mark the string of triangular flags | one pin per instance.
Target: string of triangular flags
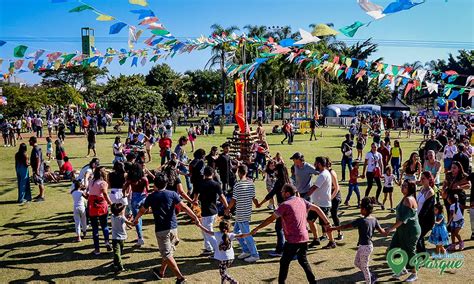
(402, 77)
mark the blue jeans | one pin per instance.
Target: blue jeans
(353, 187)
(396, 166)
(185, 171)
(280, 236)
(247, 243)
(95, 229)
(137, 200)
(346, 161)
(24, 189)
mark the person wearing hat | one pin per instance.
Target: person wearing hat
(37, 166)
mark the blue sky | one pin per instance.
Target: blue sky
(449, 25)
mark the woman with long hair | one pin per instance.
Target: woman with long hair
(457, 182)
(98, 206)
(433, 166)
(282, 178)
(396, 157)
(411, 169)
(116, 180)
(149, 140)
(192, 136)
(425, 201)
(407, 228)
(136, 187)
(174, 182)
(22, 174)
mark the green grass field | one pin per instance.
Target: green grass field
(36, 239)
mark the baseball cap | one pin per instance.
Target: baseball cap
(297, 156)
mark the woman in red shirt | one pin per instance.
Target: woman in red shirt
(98, 206)
(136, 187)
(165, 144)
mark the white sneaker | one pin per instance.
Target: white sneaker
(412, 278)
(252, 259)
(243, 255)
(140, 242)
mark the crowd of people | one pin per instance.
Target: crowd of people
(220, 187)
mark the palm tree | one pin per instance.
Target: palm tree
(219, 53)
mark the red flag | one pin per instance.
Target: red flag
(240, 105)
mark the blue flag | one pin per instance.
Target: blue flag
(134, 61)
(143, 13)
(116, 28)
(2, 42)
(400, 5)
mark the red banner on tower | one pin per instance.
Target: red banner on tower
(240, 105)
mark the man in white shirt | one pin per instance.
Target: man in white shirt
(373, 165)
(320, 194)
(39, 127)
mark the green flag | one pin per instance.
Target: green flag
(20, 50)
(154, 58)
(122, 61)
(352, 29)
(68, 58)
(160, 32)
(81, 8)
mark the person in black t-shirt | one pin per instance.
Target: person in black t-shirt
(225, 169)
(208, 194)
(162, 203)
(91, 142)
(196, 168)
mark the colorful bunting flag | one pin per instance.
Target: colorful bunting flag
(307, 37)
(138, 2)
(81, 8)
(400, 5)
(116, 28)
(471, 93)
(148, 20)
(104, 18)
(143, 13)
(351, 30)
(20, 50)
(160, 32)
(407, 89)
(2, 42)
(323, 30)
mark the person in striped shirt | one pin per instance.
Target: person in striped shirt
(242, 198)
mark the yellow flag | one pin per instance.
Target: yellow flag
(348, 62)
(323, 30)
(105, 18)
(138, 2)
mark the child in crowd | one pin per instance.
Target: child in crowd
(223, 250)
(439, 234)
(456, 222)
(360, 145)
(278, 159)
(366, 226)
(49, 148)
(119, 233)
(270, 181)
(388, 180)
(79, 209)
(353, 184)
(49, 175)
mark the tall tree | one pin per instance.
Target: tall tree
(219, 54)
